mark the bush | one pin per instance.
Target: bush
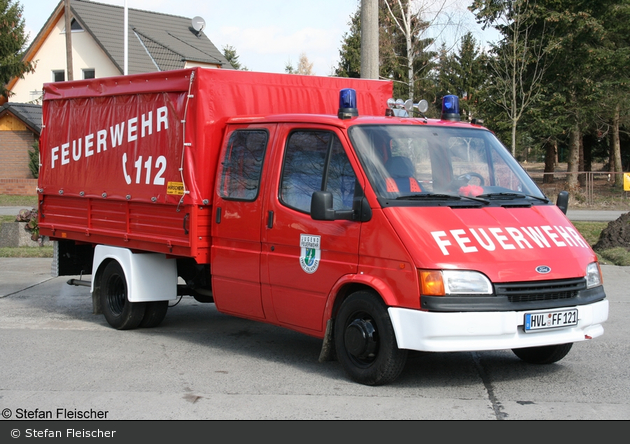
(33, 160)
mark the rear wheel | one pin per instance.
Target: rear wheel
(547, 354)
(154, 314)
(119, 312)
(365, 341)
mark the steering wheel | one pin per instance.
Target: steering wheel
(466, 178)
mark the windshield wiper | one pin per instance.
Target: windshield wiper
(439, 196)
(510, 196)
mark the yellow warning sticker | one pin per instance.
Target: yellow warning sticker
(626, 181)
(175, 188)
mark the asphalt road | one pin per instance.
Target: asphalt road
(200, 364)
(594, 215)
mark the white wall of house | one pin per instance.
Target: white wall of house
(191, 64)
(86, 54)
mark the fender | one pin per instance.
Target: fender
(150, 276)
(382, 289)
(372, 282)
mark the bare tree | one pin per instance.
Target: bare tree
(616, 147)
(414, 18)
(519, 62)
(304, 67)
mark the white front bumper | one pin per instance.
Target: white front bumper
(469, 331)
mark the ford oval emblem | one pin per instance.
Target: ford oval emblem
(543, 269)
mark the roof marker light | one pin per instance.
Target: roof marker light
(347, 104)
(450, 108)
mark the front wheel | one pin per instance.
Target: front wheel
(119, 312)
(365, 341)
(547, 354)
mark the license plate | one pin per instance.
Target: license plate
(550, 319)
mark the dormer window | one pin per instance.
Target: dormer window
(75, 26)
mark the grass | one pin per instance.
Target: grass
(590, 230)
(8, 200)
(614, 256)
(26, 252)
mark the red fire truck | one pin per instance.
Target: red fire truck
(316, 204)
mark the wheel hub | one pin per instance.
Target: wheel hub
(360, 338)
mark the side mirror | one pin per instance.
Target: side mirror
(563, 201)
(322, 208)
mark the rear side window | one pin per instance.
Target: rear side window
(242, 165)
(316, 161)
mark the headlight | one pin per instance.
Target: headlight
(593, 275)
(453, 282)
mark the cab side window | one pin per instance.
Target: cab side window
(315, 161)
(242, 165)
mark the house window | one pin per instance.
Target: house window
(89, 73)
(75, 26)
(58, 75)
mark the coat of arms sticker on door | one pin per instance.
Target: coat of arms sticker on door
(311, 253)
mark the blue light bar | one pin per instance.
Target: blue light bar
(347, 104)
(450, 108)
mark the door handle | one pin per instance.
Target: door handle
(186, 223)
(270, 219)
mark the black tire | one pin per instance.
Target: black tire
(119, 312)
(365, 342)
(154, 314)
(547, 354)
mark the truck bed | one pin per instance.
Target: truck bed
(183, 231)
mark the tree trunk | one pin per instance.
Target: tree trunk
(574, 159)
(550, 161)
(409, 42)
(616, 149)
(514, 123)
(581, 164)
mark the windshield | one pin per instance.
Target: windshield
(433, 164)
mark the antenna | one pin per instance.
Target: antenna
(198, 24)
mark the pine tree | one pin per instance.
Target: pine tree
(350, 52)
(469, 74)
(229, 52)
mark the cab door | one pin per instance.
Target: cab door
(236, 229)
(304, 258)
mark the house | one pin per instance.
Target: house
(20, 126)
(156, 42)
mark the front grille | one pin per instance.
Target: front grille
(541, 291)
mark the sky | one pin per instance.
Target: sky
(267, 34)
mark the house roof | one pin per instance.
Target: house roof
(30, 114)
(157, 42)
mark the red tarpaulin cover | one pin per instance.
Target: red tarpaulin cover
(123, 137)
